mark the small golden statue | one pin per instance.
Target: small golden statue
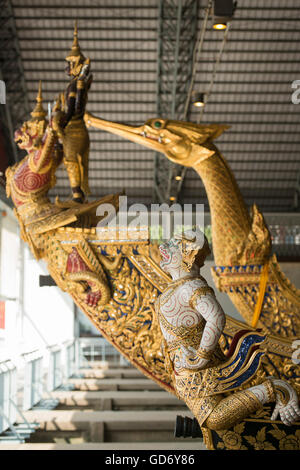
(69, 122)
(192, 321)
(29, 180)
(27, 183)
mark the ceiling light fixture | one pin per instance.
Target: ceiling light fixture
(223, 13)
(198, 99)
(218, 25)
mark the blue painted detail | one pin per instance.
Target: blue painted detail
(239, 268)
(246, 344)
(248, 373)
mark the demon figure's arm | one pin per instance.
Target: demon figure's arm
(71, 100)
(76, 94)
(83, 85)
(210, 309)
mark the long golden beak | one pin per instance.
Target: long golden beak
(134, 134)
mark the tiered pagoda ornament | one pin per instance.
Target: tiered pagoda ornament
(69, 123)
(224, 370)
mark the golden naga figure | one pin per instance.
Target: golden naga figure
(244, 269)
(69, 123)
(192, 321)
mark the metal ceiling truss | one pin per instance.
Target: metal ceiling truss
(6, 129)
(11, 70)
(296, 199)
(177, 37)
(175, 83)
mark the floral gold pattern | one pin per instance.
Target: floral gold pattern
(257, 432)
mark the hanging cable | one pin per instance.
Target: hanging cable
(196, 56)
(197, 52)
(213, 76)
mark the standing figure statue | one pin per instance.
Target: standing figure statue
(211, 384)
(69, 123)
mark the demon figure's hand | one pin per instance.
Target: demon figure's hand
(287, 403)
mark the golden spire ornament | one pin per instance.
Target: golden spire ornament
(75, 54)
(38, 112)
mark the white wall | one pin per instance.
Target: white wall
(39, 316)
(9, 279)
(48, 312)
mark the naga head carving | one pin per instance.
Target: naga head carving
(175, 139)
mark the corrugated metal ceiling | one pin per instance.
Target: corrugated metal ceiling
(251, 93)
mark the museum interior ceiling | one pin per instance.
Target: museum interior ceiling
(148, 59)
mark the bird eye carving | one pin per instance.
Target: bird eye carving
(158, 124)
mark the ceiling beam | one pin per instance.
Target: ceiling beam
(17, 105)
(175, 68)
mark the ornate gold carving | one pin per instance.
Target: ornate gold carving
(232, 409)
(191, 387)
(255, 433)
(60, 218)
(68, 120)
(286, 441)
(75, 56)
(239, 240)
(261, 294)
(280, 312)
(256, 248)
(231, 440)
(260, 442)
(120, 268)
(270, 390)
(151, 270)
(204, 353)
